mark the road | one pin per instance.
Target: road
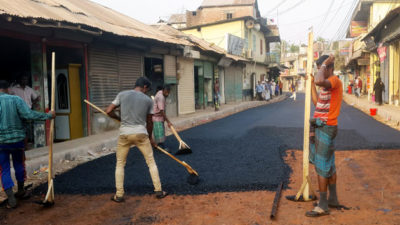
(242, 152)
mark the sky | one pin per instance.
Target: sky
(294, 17)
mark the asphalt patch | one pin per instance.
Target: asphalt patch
(242, 152)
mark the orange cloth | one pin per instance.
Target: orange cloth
(336, 100)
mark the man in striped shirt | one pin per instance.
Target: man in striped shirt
(13, 110)
(323, 132)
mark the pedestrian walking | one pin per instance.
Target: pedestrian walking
(323, 131)
(259, 91)
(159, 116)
(136, 112)
(267, 93)
(280, 87)
(359, 86)
(13, 110)
(293, 87)
(277, 89)
(217, 95)
(273, 84)
(379, 88)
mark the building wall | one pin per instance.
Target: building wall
(259, 54)
(217, 33)
(210, 15)
(378, 11)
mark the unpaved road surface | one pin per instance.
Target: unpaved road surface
(241, 159)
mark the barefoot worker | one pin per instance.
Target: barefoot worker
(323, 132)
(136, 125)
(160, 116)
(13, 110)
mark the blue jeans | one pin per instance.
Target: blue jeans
(16, 150)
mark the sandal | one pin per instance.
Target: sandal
(317, 212)
(161, 194)
(117, 199)
(337, 207)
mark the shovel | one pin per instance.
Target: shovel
(193, 179)
(183, 147)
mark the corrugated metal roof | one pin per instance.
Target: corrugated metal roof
(196, 41)
(210, 3)
(83, 12)
(177, 18)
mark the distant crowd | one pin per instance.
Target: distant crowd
(266, 90)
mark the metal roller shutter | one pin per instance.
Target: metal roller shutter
(130, 68)
(103, 73)
(238, 83)
(229, 84)
(170, 69)
(233, 84)
(186, 101)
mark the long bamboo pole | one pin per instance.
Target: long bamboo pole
(50, 192)
(305, 187)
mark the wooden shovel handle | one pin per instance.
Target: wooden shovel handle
(98, 109)
(189, 168)
(175, 133)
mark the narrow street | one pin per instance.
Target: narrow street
(246, 152)
(85, 81)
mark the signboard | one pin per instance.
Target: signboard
(345, 51)
(382, 53)
(363, 62)
(235, 45)
(357, 28)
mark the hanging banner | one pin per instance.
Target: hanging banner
(316, 55)
(382, 53)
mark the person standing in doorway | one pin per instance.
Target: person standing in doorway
(25, 92)
(324, 130)
(160, 116)
(379, 88)
(217, 95)
(30, 97)
(13, 110)
(136, 129)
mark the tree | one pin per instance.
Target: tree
(294, 48)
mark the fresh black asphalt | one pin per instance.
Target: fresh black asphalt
(241, 152)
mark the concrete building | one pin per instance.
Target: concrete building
(99, 52)
(237, 27)
(384, 40)
(363, 61)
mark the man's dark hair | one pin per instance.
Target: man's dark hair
(143, 81)
(167, 87)
(4, 84)
(322, 59)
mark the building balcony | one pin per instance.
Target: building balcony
(272, 57)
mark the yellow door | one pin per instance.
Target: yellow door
(75, 117)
